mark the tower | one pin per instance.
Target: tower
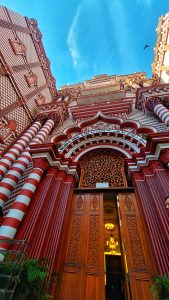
(85, 183)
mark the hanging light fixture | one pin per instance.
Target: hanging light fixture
(109, 226)
(112, 244)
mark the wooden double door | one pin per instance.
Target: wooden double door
(84, 266)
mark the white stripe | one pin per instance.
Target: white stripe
(165, 115)
(7, 231)
(3, 168)
(18, 146)
(2, 203)
(155, 110)
(29, 186)
(25, 139)
(15, 173)
(29, 135)
(15, 213)
(35, 140)
(21, 142)
(6, 161)
(159, 109)
(12, 155)
(9, 181)
(19, 166)
(24, 159)
(23, 199)
(35, 176)
(167, 120)
(5, 191)
(162, 112)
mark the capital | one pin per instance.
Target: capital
(54, 116)
(41, 163)
(42, 118)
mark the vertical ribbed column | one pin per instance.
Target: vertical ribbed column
(47, 214)
(31, 225)
(45, 224)
(14, 174)
(53, 248)
(15, 151)
(162, 112)
(18, 209)
(157, 238)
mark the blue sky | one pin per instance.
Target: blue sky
(83, 38)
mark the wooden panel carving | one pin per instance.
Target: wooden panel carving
(94, 240)
(74, 242)
(128, 203)
(79, 203)
(102, 166)
(94, 204)
(136, 251)
(83, 275)
(135, 244)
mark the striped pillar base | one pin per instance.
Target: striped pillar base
(162, 112)
(18, 209)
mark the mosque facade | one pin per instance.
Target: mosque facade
(84, 170)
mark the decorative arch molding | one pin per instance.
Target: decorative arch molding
(124, 124)
(125, 139)
(156, 149)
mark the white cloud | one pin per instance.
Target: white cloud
(72, 38)
(147, 3)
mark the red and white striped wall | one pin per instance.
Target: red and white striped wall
(18, 209)
(15, 151)
(10, 180)
(162, 112)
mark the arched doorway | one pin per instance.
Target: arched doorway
(105, 245)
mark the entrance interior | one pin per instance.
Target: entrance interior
(114, 269)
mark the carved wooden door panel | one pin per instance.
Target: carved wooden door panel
(83, 275)
(138, 260)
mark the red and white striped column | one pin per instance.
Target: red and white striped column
(162, 112)
(18, 209)
(15, 151)
(10, 180)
